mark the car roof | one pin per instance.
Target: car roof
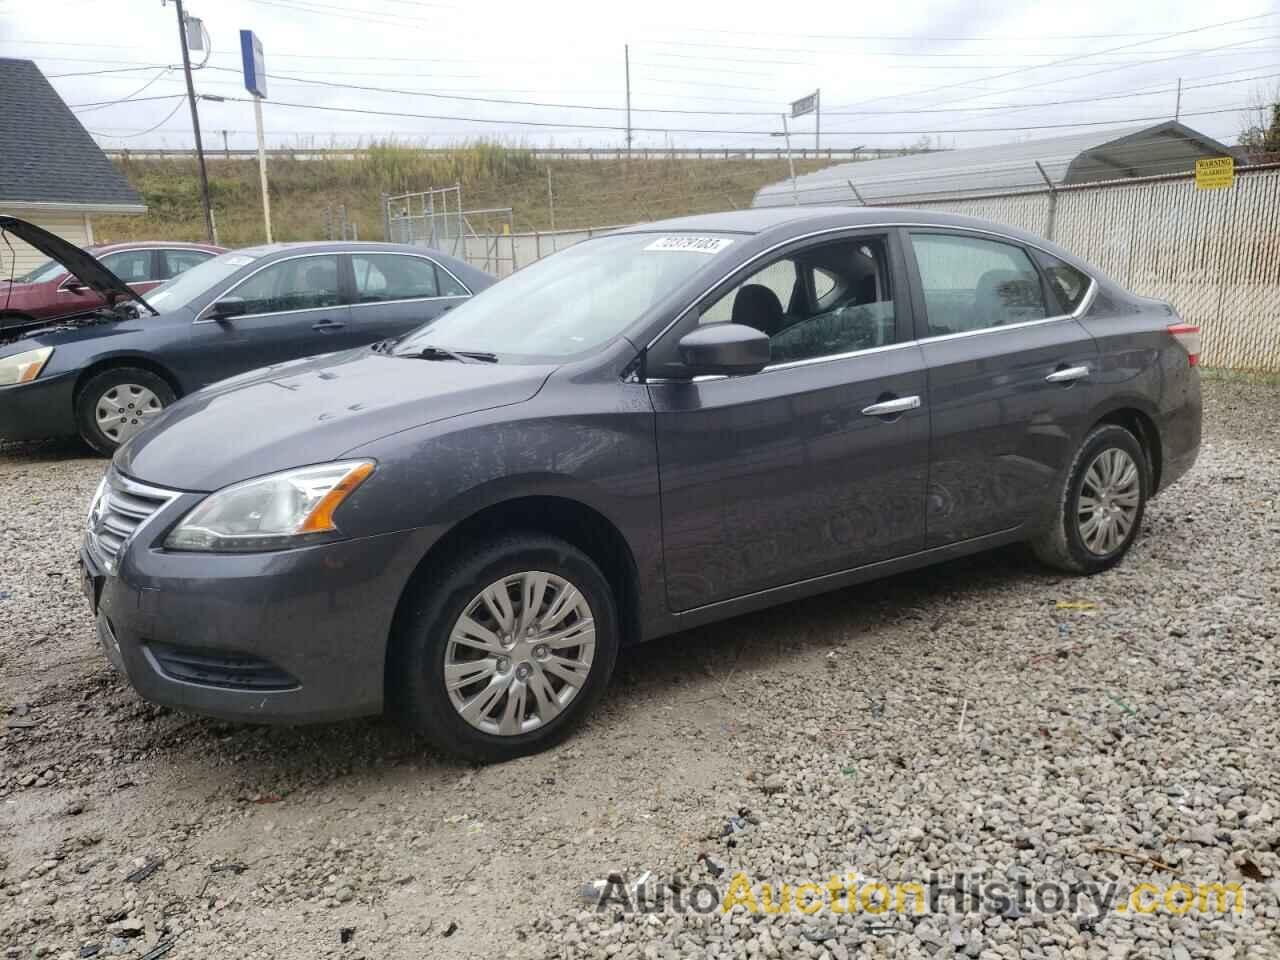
(801, 218)
(97, 248)
(342, 246)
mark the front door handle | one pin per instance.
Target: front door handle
(1068, 375)
(887, 408)
(324, 325)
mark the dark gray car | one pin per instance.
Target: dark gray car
(105, 374)
(665, 426)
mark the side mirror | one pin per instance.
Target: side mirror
(229, 307)
(725, 349)
(73, 284)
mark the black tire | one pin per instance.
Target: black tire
(416, 668)
(98, 386)
(1062, 546)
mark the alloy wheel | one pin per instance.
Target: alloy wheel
(1109, 499)
(519, 653)
(125, 409)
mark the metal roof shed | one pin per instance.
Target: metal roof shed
(1112, 154)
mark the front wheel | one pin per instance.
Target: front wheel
(116, 403)
(502, 652)
(1100, 507)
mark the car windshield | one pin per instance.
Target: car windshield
(197, 281)
(46, 271)
(571, 302)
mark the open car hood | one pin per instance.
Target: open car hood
(84, 265)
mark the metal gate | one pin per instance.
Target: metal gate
(431, 218)
(435, 218)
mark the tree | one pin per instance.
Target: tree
(1261, 133)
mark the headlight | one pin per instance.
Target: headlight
(22, 367)
(282, 510)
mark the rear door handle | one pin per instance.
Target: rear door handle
(887, 408)
(1068, 375)
(324, 325)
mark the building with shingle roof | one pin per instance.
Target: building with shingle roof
(51, 171)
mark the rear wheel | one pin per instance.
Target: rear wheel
(1101, 505)
(501, 653)
(116, 403)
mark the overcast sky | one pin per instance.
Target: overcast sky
(898, 71)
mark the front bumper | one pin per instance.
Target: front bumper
(294, 636)
(40, 409)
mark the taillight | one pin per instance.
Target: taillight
(1188, 335)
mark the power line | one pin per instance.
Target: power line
(101, 104)
(917, 38)
(665, 110)
(140, 133)
(1127, 46)
(132, 97)
(615, 128)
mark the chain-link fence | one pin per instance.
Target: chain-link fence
(1213, 254)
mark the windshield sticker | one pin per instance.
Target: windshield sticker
(707, 245)
(239, 260)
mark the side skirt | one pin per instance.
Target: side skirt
(723, 609)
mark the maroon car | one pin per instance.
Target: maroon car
(49, 292)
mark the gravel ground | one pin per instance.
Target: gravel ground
(983, 717)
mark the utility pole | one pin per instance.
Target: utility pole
(1177, 107)
(195, 120)
(226, 150)
(817, 121)
(551, 201)
(795, 192)
(626, 59)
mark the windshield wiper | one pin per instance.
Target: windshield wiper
(430, 352)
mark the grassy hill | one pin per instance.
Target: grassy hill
(587, 192)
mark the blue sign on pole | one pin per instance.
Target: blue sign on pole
(255, 69)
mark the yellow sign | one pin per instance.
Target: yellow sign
(1215, 173)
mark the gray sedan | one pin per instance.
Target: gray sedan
(662, 427)
(107, 373)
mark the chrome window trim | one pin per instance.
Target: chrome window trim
(790, 364)
(201, 318)
(420, 256)
(383, 303)
(1083, 308)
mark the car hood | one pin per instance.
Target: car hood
(83, 264)
(312, 411)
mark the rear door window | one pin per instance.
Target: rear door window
(180, 261)
(381, 277)
(971, 283)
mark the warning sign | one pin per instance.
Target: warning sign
(1215, 173)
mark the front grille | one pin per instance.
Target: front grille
(232, 671)
(125, 505)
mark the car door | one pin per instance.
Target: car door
(294, 307)
(817, 463)
(1006, 369)
(394, 293)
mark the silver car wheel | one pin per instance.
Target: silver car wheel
(519, 653)
(125, 409)
(1109, 499)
